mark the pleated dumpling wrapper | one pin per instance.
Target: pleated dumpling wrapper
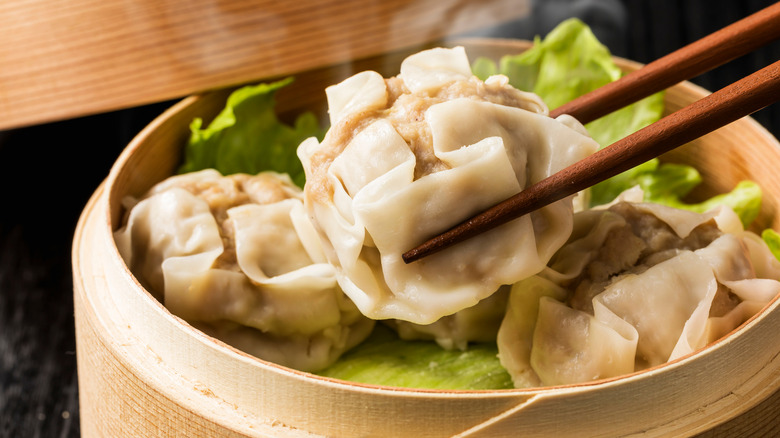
(637, 285)
(408, 157)
(237, 257)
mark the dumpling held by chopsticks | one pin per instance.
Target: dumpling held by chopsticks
(409, 157)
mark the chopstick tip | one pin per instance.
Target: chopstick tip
(413, 255)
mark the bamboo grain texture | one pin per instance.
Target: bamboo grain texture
(67, 58)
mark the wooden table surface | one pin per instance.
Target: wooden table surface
(49, 171)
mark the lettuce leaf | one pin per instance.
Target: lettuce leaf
(772, 239)
(247, 136)
(670, 183)
(744, 199)
(384, 359)
(569, 62)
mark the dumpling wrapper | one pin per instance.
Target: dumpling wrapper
(570, 346)
(475, 324)
(398, 167)
(238, 258)
(516, 334)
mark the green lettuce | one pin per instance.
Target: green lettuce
(569, 62)
(247, 136)
(670, 183)
(744, 199)
(385, 359)
(772, 239)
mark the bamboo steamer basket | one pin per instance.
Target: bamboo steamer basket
(145, 372)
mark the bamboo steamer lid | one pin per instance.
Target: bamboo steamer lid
(145, 372)
(93, 56)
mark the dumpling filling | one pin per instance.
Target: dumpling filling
(637, 285)
(408, 157)
(237, 257)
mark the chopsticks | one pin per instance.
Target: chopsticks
(718, 109)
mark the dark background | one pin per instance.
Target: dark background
(48, 172)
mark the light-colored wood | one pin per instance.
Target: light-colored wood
(144, 372)
(66, 58)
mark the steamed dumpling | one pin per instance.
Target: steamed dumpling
(410, 156)
(237, 257)
(637, 285)
(478, 323)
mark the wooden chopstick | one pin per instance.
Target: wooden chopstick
(718, 109)
(717, 48)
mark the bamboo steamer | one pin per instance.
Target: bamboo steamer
(145, 372)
